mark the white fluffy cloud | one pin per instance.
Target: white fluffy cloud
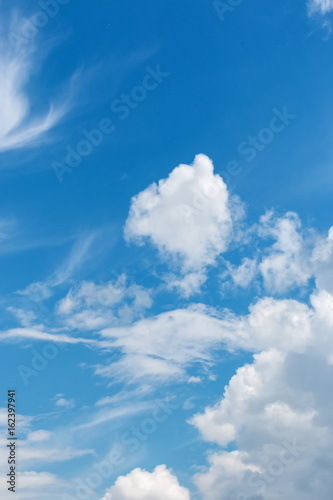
(276, 411)
(139, 484)
(191, 219)
(285, 266)
(288, 256)
(280, 422)
(188, 216)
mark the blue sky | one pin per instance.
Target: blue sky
(165, 248)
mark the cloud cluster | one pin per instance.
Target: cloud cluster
(275, 411)
(189, 217)
(285, 264)
(272, 427)
(288, 256)
(192, 220)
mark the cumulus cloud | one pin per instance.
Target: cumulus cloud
(22, 123)
(273, 422)
(192, 220)
(281, 426)
(241, 276)
(189, 217)
(285, 266)
(275, 411)
(139, 484)
(286, 256)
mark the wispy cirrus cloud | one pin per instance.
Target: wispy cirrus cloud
(320, 6)
(23, 123)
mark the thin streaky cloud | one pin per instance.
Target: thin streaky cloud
(20, 125)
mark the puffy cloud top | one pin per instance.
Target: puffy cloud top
(189, 215)
(139, 484)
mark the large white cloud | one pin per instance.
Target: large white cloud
(139, 484)
(276, 411)
(188, 216)
(281, 425)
